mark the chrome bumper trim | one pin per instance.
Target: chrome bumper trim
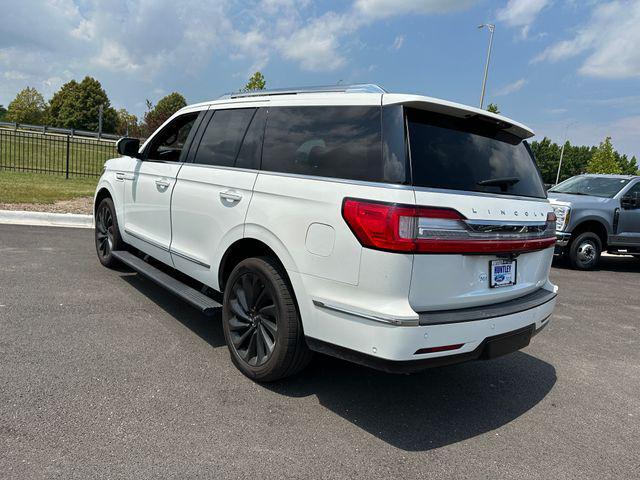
(388, 321)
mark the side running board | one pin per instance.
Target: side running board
(205, 304)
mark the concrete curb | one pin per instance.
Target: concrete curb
(20, 217)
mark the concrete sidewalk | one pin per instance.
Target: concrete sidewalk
(21, 217)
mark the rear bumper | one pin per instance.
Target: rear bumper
(517, 305)
(401, 348)
(491, 347)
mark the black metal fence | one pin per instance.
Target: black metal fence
(53, 153)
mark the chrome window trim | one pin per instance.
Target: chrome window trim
(303, 177)
(339, 180)
(221, 167)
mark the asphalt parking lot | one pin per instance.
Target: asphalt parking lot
(105, 375)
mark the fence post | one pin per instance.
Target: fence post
(67, 169)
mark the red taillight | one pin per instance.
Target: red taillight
(387, 226)
(412, 229)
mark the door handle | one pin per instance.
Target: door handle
(162, 183)
(231, 196)
(123, 176)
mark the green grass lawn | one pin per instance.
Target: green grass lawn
(19, 187)
(35, 151)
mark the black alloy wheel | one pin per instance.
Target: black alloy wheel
(107, 235)
(104, 230)
(253, 325)
(261, 322)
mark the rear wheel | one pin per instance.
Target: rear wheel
(261, 322)
(585, 250)
(107, 235)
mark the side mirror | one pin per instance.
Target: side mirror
(630, 201)
(128, 147)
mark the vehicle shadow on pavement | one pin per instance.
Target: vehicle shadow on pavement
(209, 329)
(430, 409)
(620, 264)
(415, 412)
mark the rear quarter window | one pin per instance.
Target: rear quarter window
(467, 153)
(340, 142)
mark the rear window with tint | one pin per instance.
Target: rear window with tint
(341, 142)
(470, 154)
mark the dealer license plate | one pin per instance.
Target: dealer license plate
(502, 273)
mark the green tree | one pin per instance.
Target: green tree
(127, 124)
(77, 105)
(256, 82)
(628, 166)
(604, 159)
(493, 108)
(27, 107)
(158, 114)
(3, 112)
(547, 155)
(62, 106)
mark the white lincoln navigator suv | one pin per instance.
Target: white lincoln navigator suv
(395, 231)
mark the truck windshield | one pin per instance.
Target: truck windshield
(605, 187)
(471, 154)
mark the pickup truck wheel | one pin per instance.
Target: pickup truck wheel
(585, 250)
(107, 234)
(261, 323)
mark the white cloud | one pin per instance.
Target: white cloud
(610, 38)
(389, 8)
(521, 13)
(316, 45)
(15, 75)
(47, 42)
(510, 88)
(398, 42)
(114, 56)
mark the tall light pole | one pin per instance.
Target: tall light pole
(566, 130)
(491, 28)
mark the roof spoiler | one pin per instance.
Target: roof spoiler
(458, 110)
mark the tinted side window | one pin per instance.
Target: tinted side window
(341, 142)
(222, 137)
(167, 145)
(251, 149)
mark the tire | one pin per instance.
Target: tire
(261, 323)
(107, 234)
(584, 251)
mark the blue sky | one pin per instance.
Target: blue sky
(557, 65)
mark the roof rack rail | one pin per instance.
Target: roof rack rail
(355, 88)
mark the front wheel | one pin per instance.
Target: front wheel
(107, 235)
(585, 250)
(261, 323)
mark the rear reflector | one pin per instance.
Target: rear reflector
(443, 348)
(413, 229)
